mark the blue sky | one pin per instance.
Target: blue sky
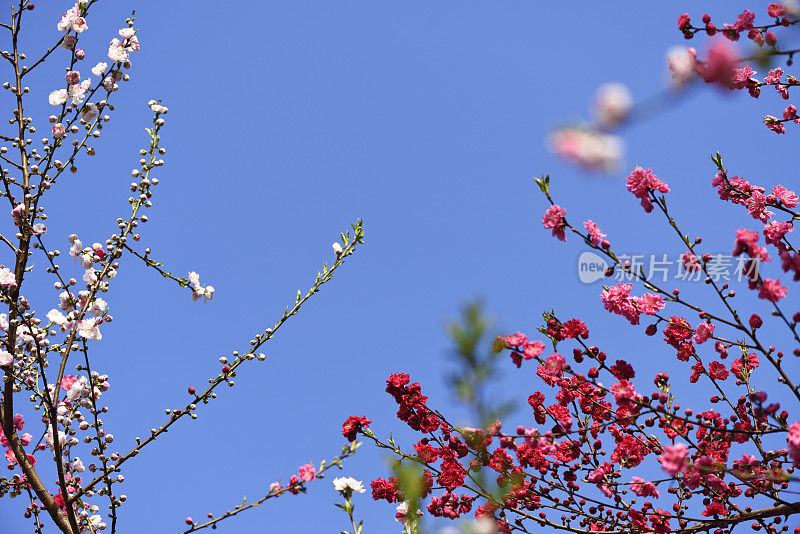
(289, 120)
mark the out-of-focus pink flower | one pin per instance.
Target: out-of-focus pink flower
(612, 104)
(673, 459)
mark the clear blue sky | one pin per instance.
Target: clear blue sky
(289, 120)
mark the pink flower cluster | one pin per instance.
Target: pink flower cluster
(642, 182)
(618, 300)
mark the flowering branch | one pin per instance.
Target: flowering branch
(31, 342)
(296, 485)
(229, 368)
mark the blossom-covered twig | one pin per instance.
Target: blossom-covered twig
(294, 486)
(229, 367)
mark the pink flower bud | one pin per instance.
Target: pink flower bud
(770, 38)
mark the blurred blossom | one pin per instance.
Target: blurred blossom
(402, 512)
(682, 63)
(612, 104)
(484, 525)
(792, 6)
(588, 147)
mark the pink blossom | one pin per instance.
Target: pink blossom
(719, 66)
(774, 232)
(787, 197)
(690, 262)
(776, 10)
(532, 350)
(682, 63)
(624, 393)
(617, 300)
(793, 439)
(756, 36)
(771, 290)
(644, 488)
(515, 340)
(717, 370)
(650, 303)
(774, 124)
(756, 206)
(673, 459)
(68, 381)
(745, 20)
(595, 234)
(6, 358)
(746, 241)
(791, 262)
(554, 218)
(740, 76)
(770, 38)
(773, 76)
(735, 188)
(744, 366)
(703, 332)
(307, 472)
(554, 364)
(641, 182)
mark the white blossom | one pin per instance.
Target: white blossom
(100, 68)
(342, 483)
(88, 328)
(58, 97)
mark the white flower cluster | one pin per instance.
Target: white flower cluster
(72, 19)
(200, 291)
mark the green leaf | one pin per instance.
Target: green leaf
(499, 345)
(543, 183)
